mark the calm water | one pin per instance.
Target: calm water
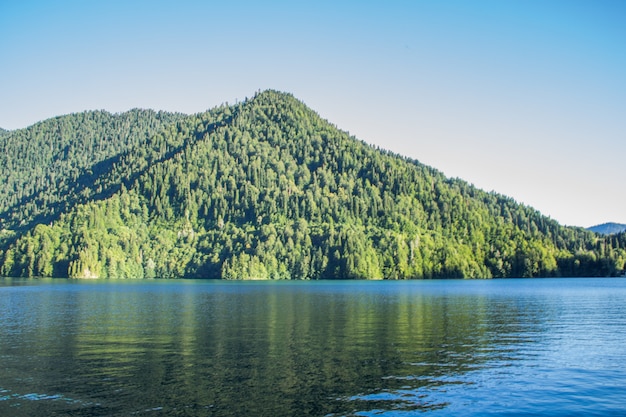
(421, 348)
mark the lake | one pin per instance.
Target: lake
(351, 348)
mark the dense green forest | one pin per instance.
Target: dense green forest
(264, 189)
(58, 163)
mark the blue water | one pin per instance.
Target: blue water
(209, 348)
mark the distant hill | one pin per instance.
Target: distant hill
(264, 189)
(608, 228)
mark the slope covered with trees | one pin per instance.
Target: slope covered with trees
(60, 162)
(266, 189)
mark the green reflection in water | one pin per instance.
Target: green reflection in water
(225, 349)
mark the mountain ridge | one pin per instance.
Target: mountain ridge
(81, 146)
(267, 189)
(608, 228)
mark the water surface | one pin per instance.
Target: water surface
(213, 348)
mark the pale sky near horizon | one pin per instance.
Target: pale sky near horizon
(523, 97)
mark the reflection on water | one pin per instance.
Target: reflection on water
(196, 348)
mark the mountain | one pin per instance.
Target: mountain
(608, 228)
(61, 162)
(264, 189)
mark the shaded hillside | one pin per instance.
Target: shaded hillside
(608, 228)
(59, 162)
(266, 189)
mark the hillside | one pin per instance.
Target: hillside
(608, 228)
(266, 189)
(60, 162)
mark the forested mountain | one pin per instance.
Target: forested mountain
(608, 228)
(60, 162)
(264, 189)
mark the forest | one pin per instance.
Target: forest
(262, 189)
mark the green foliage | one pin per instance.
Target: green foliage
(55, 164)
(264, 189)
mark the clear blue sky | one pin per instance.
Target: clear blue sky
(526, 97)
